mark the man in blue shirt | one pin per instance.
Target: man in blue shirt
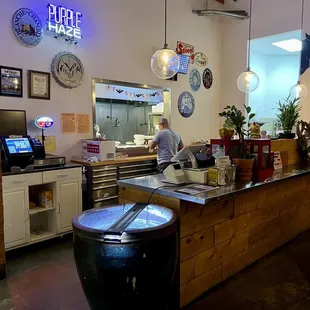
(168, 143)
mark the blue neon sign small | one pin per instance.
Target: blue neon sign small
(64, 21)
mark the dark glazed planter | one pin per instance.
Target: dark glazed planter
(287, 135)
(138, 271)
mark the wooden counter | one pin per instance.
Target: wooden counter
(220, 238)
(117, 161)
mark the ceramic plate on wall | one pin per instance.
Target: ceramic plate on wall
(207, 78)
(186, 104)
(27, 27)
(195, 79)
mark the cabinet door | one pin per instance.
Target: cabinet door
(69, 203)
(16, 216)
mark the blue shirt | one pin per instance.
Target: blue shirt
(168, 142)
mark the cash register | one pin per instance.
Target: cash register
(19, 151)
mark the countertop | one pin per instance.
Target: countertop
(132, 159)
(67, 166)
(151, 183)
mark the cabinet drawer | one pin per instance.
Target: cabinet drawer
(105, 179)
(19, 180)
(106, 202)
(106, 192)
(62, 174)
(104, 185)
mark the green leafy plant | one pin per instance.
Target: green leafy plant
(288, 113)
(239, 123)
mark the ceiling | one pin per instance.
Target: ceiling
(264, 45)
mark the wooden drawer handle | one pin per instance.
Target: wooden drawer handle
(202, 237)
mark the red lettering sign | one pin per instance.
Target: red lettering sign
(186, 49)
(93, 148)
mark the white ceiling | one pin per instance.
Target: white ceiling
(264, 45)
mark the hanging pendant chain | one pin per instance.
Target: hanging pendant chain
(166, 44)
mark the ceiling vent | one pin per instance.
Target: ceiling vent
(234, 14)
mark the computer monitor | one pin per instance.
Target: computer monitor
(184, 155)
(17, 146)
(13, 122)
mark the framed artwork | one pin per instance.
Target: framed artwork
(11, 82)
(39, 85)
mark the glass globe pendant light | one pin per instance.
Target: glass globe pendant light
(165, 62)
(248, 81)
(300, 91)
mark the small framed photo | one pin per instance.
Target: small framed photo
(39, 85)
(11, 82)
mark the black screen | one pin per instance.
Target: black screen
(13, 122)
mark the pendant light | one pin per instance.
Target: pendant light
(248, 81)
(300, 91)
(165, 62)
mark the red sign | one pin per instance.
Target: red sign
(186, 49)
(93, 148)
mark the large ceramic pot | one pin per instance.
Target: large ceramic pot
(127, 257)
(244, 169)
(226, 133)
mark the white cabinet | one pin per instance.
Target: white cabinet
(16, 216)
(23, 226)
(69, 194)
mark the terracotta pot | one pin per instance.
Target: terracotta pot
(244, 169)
(226, 133)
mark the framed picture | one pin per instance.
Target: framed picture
(11, 82)
(39, 85)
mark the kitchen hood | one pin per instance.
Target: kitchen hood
(234, 14)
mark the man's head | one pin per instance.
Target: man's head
(163, 124)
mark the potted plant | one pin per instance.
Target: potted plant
(288, 115)
(240, 124)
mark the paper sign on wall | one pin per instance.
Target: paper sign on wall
(49, 143)
(83, 123)
(68, 123)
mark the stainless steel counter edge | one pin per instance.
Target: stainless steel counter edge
(154, 183)
(67, 166)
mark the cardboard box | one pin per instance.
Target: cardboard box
(103, 150)
(46, 198)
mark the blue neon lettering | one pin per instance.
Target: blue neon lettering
(64, 21)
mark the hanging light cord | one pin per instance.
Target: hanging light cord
(302, 31)
(166, 44)
(250, 32)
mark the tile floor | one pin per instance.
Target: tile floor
(44, 277)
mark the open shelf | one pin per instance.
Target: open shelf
(40, 235)
(39, 210)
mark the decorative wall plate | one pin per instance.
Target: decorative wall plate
(67, 69)
(207, 78)
(27, 27)
(201, 59)
(195, 79)
(186, 104)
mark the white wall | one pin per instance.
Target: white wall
(119, 39)
(277, 75)
(269, 17)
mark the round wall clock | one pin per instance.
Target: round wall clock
(207, 78)
(67, 69)
(27, 27)
(195, 79)
(186, 104)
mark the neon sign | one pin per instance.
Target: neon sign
(64, 21)
(43, 122)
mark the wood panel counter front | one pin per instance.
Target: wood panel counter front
(232, 229)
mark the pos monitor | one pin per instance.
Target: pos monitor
(18, 152)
